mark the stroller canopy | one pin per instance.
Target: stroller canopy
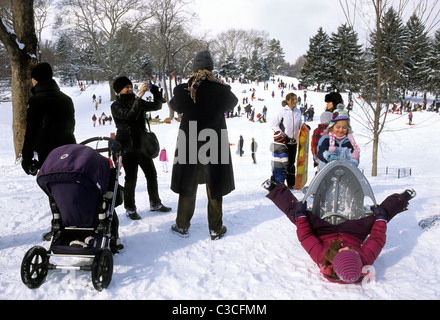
(75, 176)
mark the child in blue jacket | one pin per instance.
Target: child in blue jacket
(339, 143)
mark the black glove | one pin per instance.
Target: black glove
(154, 90)
(290, 140)
(30, 166)
(300, 209)
(380, 213)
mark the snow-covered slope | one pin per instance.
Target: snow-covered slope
(260, 257)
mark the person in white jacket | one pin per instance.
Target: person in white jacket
(288, 120)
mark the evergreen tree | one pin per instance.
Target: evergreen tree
(416, 71)
(230, 68)
(66, 69)
(393, 53)
(433, 63)
(88, 63)
(243, 66)
(275, 56)
(258, 69)
(346, 58)
(318, 67)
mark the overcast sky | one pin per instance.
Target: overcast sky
(292, 22)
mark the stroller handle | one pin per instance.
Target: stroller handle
(113, 144)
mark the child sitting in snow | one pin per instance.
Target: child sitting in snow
(280, 156)
(339, 143)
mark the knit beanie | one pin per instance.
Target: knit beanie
(279, 137)
(326, 117)
(348, 266)
(42, 72)
(203, 61)
(120, 83)
(337, 116)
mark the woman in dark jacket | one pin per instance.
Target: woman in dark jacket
(202, 153)
(129, 113)
(50, 120)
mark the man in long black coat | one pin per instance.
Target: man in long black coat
(50, 121)
(202, 153)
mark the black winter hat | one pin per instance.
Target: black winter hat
(334, 97)
(120, 84)
(42, 71)
(203, 61)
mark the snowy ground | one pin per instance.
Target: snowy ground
(260, 257)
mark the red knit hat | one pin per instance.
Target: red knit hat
(279, 137)
(348, 266)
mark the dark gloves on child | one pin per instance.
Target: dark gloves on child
(380, 213)
(300, 209)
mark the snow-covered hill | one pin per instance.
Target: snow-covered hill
(260, 257)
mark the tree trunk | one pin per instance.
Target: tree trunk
(21, 46)
(20, 88)
(378, 92)
(112, 92)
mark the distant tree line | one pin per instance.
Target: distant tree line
(409, 58)
(99, 40)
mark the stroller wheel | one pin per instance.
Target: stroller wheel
(102, 269)
(34, 267)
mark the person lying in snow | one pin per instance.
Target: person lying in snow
(340, 251)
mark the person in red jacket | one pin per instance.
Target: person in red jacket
(325, 119)
(340, 251)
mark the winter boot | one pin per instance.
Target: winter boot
(47, 236)
(133, 215)
(116, 245)
(409, 194)
(219, 234)
(270, 184)
(160, 208)
(182, 232)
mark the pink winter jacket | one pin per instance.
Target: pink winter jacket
(163, 155)
(317, 246)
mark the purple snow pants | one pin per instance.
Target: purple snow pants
(283, 198)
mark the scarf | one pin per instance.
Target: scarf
(196, 80)
(332, 148)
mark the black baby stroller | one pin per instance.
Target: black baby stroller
(339, 192)
(83, 191)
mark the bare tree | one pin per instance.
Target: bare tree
(41, 13)
(170, 20)
(375, 104)
(20, 42)
(98, 22)
(230, 43)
